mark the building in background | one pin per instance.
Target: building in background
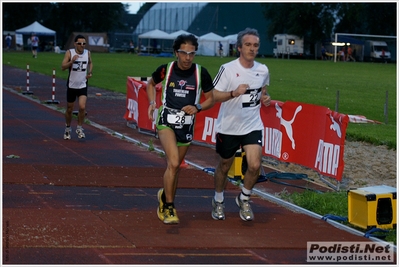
(201, 18)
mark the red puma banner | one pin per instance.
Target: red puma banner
(137, 103)
(305, 134)
(308, 135)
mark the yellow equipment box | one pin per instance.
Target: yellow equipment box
(239, 166)
(373, 206)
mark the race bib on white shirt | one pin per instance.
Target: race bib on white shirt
(251, 98)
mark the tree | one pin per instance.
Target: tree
(308, 19)
(319, 21)
(312, 21)
(144, 8)
(65, 17)
(17, 15)
(99, 17)
(367, 18)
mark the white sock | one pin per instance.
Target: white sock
(245, 194)
(219, 197)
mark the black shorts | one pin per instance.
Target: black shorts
(227, 145)
(72, 94)
(184, 137)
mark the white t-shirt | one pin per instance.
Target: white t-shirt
(240, 115)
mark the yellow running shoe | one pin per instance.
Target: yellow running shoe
(170, 215)
(160, 209)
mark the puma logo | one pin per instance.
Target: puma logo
(287, 124)
(136, 88)
(335, 126)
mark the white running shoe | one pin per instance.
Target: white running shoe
(80, 132)
(217, 210)
(246, 213)
(67, 133)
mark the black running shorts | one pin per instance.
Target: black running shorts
(227, 145)
(72, 94)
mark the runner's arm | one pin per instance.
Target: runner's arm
(66, 62)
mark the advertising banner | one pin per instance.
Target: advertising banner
(137, 103)
(305, 134)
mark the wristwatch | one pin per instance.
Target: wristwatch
(199, 107)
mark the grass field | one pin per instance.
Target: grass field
(362, 87)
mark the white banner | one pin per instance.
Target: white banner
(96, 40)
(19, 39)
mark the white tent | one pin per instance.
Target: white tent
(173, 35)
(208, 44)
(153, 35)
(232, 39)
(38, 29)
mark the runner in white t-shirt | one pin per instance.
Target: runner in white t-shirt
(241, 86)
(34, 44)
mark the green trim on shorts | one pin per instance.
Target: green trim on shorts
(183, 144)
(161, 127)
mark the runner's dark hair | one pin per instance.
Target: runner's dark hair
(185, 39)
(79, 36)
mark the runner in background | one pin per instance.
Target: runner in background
(34, 42)
(78, 61)
(8, 41)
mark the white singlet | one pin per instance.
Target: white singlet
(78, 70)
